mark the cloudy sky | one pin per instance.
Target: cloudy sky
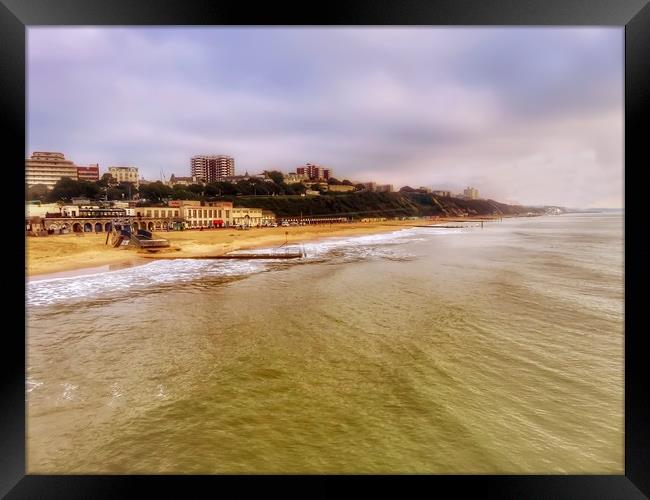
(529, 115)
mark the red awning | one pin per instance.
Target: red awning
(217, 221)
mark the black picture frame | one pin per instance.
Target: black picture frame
(634, 15)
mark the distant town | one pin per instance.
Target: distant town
(65, 197)
(46, 169)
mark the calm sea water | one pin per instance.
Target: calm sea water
(494, 350)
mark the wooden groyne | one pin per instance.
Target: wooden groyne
(444, 227)
(240, 256)
(297, 255)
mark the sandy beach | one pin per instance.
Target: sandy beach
(71, 252)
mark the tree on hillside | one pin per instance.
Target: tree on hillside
(334, 181)
(197, 189)
(226, 188)
(275, 176)
(244, 188)
(212, 189)
(347, 182)
(106, 181)
(37, 192)
(155, 191)
(360, 187)
(65, 189)
(298, 188)
(180, 192)
(129, 189)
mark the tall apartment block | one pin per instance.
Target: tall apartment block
(89, 173)
(314, 171)
(48, 168)
(471, 193)
(212, 168)
(125, 174)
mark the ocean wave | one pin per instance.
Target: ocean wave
(70, 289)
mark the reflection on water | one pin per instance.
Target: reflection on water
(495, 350)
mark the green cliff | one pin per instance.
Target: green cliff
(358, 205)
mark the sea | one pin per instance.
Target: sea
(473, 350)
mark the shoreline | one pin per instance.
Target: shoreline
(69, 255)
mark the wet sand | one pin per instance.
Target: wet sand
(69, 254)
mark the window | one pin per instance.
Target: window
(220, 214)
(175, 213)
(227, 214)
(148, 213)
(155, 213)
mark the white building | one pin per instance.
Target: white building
(125, 174)
(47, 168)
(293, 178)
(470, 193)
(212, 168)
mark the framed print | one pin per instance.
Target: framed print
(382, 247)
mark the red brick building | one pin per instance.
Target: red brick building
(89, 173)
(314, 171)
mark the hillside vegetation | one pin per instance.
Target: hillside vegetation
(359, 205)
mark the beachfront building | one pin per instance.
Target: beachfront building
(178, 214)
(384, 188)
(47, 168)
(313, 220)
(74, 209)
(38, 209)
(152, 218)
(251, 217)
(82, 219)
(444, 194)
(125, 174)
(89, 173)
(35, 213)
(213, 214)
(212, 168)
(370, 186)
(470, 193)
(314, 172)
